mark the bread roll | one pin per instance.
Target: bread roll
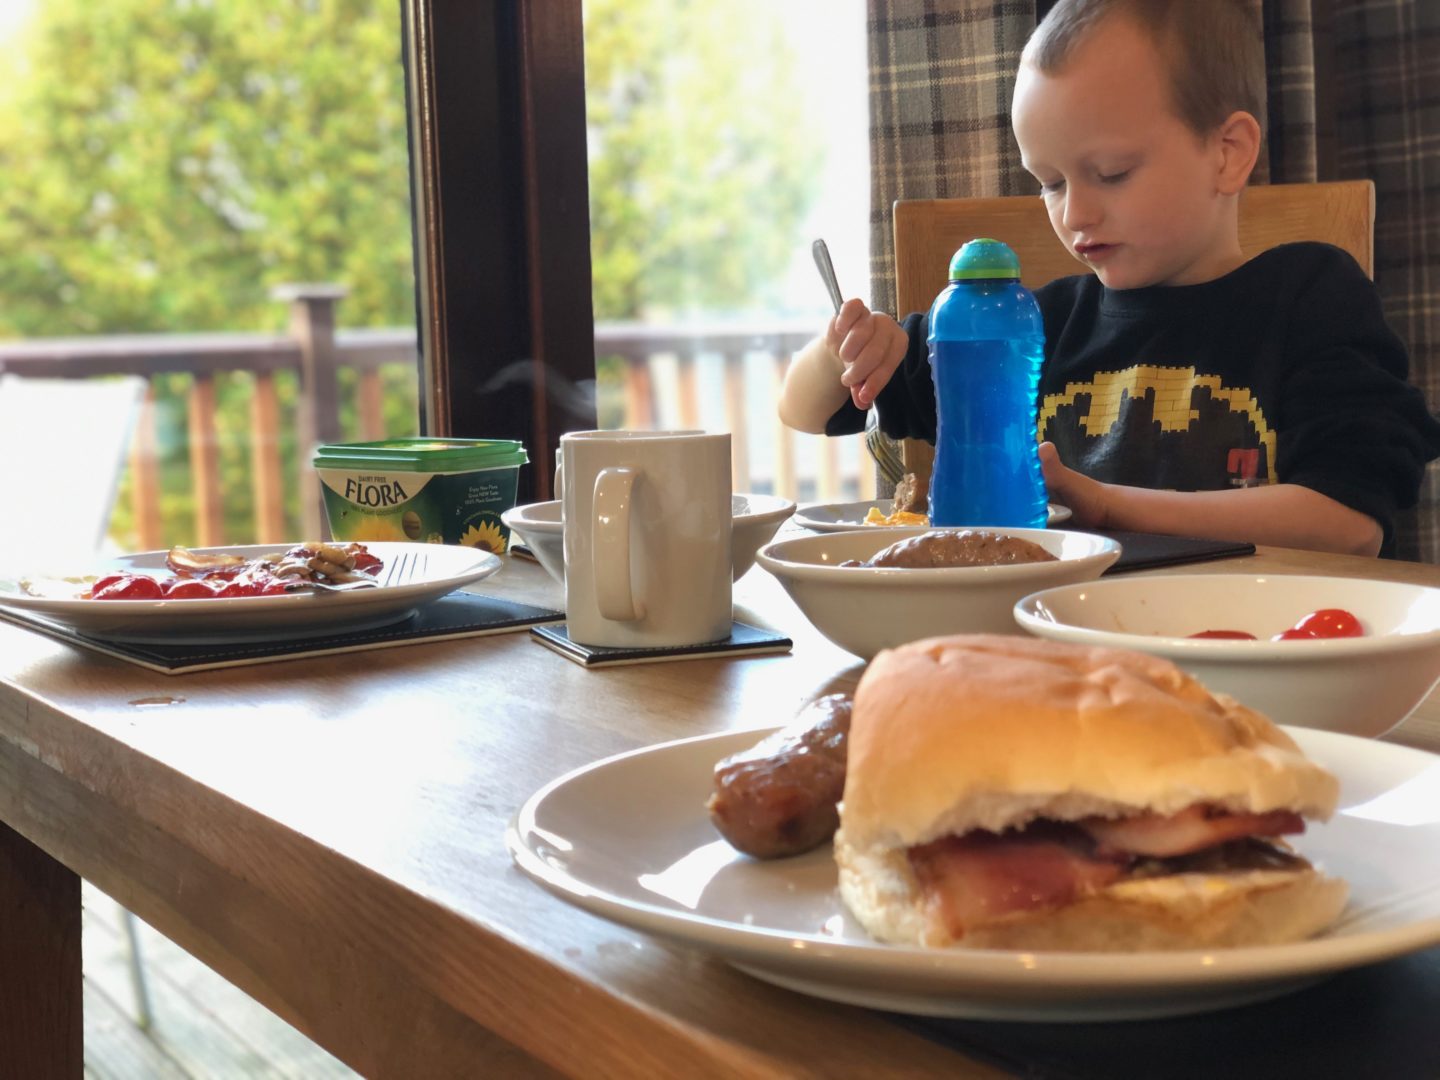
(980, 732)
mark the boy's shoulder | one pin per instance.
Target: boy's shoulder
(1307, 258)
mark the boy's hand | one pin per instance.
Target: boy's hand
(1087, 499)
(870, 344)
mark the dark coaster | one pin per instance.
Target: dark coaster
(1145, 551)
(458, 615)
(744, 640)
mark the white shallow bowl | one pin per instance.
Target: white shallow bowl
(1362, 686)
(756, 518)
(864, 609)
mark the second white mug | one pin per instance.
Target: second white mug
(647, 537)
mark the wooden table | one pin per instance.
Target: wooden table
(328, 834)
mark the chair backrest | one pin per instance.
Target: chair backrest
(63, 446)
(929, 231)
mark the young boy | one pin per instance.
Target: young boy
(1186, 388)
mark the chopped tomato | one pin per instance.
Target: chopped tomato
(1226, 635)
(1294, 634)
(365, 563)
(187, 589)
(127, 587)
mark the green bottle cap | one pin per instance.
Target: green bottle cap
(984, 258)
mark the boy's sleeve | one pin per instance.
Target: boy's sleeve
(907, 403)
(1352, 427)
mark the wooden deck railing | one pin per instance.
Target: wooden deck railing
(668, 373)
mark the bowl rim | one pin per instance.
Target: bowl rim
(517, 518)
(522, 514)
(1107, 550)
(1325, 650)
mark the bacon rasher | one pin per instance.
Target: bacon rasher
(1192, 829)
(981, 876)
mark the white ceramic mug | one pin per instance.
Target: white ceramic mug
(647, 537)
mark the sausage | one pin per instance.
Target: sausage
(781, 797)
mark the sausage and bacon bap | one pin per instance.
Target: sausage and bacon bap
(1012, 793)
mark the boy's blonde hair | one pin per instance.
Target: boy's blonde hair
(1214, 50)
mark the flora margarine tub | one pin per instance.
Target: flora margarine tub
(435, 491)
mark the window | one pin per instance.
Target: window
(189, 186)
(510, 332)
(722, 139)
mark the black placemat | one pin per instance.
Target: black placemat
(460, 614)
(1145, 551)
(1376, 1021)
(744, 640)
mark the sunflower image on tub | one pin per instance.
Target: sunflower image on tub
(486, 535)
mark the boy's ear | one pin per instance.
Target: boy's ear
(1239, 144)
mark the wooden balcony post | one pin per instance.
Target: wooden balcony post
(205, 462)
(145, 474)
(266, 474)
(785, 483)
(736, 420)
(688, 389)
(312, 325)
(639, 395)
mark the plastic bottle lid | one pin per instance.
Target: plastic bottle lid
(984, 258)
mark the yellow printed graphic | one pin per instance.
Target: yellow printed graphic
(1174, 389)
(486, 535)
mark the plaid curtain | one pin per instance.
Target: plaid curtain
(941, 74)
(1292, 137)
(1353, 92)
(1387, 115)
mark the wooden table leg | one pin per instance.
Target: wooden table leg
(42, 1032)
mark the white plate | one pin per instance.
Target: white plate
(628, 838)
(836, 517)
(437, 570)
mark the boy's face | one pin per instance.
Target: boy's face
(1131, 190)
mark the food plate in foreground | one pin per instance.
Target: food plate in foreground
(411, 575)
(656, 864)
(836, 517)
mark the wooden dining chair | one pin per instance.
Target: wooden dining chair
(929, 231)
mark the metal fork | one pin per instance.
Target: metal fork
(405, 569)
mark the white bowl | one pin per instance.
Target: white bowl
(756, 518)
(1362, 686)
(864, 609)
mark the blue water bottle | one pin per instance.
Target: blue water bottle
(987, 342)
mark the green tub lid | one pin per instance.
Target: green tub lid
(423, 455)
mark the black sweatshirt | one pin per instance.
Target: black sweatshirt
(1282, 371)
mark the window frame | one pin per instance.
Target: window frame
(495, 100)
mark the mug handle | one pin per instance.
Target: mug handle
(611, 549)
(557, 489)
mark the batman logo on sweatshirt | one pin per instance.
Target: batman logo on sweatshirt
(1205, 436)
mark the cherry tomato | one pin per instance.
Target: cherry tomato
(1228, 635)
(187, 589)
(1294, 634)
(1331, 623)
(127, 587)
